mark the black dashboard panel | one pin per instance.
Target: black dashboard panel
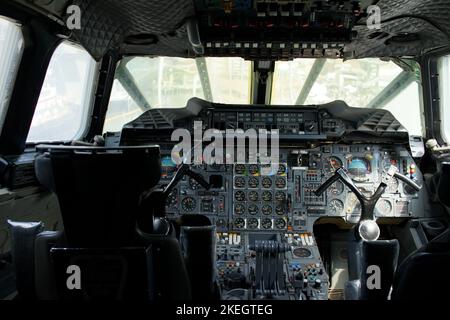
(329, 122)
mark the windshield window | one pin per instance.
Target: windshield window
(142, 83)
(365, 83)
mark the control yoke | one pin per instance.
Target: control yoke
(182, 171)
(368, 229)
(153, 206)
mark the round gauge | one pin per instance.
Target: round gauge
(383, 207)
(193, 184)
(253, 182)
(280, 196)
(252, 223)
(221, 223)
(280, 223)
(279, 210)
(239, 169)
(336, 188)
(267, 196)
(266, 223)
(332, 164)
(266, 183)
(253, 209)
(302, 253)
(239, 182)
(239, 223)
(239, 209)
(188, 204)
(281, 169)
(253, 169)
(266, 210)
(336, 206)
(280, 183)
(359, 167)
(253, 196)
(172, 198)
(239, 196)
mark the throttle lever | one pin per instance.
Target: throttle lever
(181, 172)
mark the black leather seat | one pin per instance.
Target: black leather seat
(99, 192)
(361, 255)
(425, 274)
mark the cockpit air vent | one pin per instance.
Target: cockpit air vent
(381, 121)
(153, 119)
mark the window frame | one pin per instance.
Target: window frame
(431, 96)
(30, 77)
(13, 69)
(444, 109)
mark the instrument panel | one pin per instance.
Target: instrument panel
(259, 211)
(250, 197)
(250, 201)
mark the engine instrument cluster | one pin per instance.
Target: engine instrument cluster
(248, 203)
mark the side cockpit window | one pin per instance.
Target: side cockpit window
(63, 107)
(444, 94)
(11, 49)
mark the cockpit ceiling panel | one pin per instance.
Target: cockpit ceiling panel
(431, 24)
(107, 24)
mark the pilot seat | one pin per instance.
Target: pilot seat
(100, 193)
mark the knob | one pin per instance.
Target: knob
(317, 283)
(369, 230)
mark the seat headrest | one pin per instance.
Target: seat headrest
(98, 189)
(141, 164)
